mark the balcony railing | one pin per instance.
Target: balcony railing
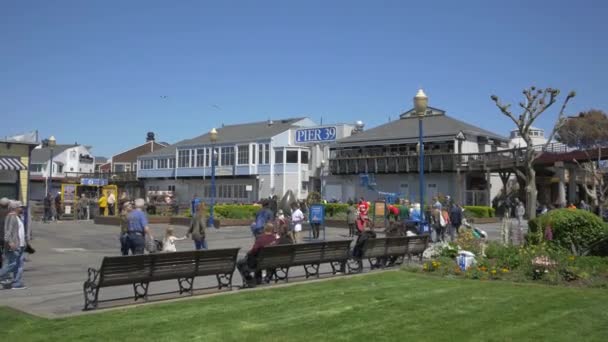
(130, 176)
(399, 163)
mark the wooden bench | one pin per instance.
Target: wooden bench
(277, 260)
(140, 270)
(386, 252)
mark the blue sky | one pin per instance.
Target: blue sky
(94, 71)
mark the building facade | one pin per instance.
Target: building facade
(14, 164)
(253, 161)
(67, 161)
(384, 160)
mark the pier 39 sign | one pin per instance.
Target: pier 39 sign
(313, 135)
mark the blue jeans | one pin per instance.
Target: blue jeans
(200, 244)
(136, 243)
(124, 244)
(13, 263)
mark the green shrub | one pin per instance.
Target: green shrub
(574, 230)
(479, 211)
(332, 209)
(236, 211)
(504, 256)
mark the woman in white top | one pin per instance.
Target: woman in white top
(297, 217)
(169, 242)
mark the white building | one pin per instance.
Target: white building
(254, 160)
(67, 159)
(537, 135)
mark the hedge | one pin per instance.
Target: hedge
(480, 211)
(335, 208)
(573, 229)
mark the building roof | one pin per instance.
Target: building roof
(43, 154)
(101, 160)
(130, 156)
(9, 141)
(241, 133)
(436, 126)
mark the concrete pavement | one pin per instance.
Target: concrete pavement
(65, 250)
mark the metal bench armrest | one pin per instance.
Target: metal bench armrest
(93, 276)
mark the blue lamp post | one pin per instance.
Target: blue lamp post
(213, 138)
(420, 105)
(50, 142)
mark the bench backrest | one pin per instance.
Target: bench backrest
(152, 267)
(336, 251)
(383, 247)
(275, 256)
(417, 244)
(307, 253)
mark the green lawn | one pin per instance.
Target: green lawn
(390, 306)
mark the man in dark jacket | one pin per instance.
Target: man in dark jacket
(455, 220)
(247, 264)
(48, 201)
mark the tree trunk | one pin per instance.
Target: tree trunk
(531, 192)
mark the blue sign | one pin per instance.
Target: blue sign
(310, 135)
(93, 181)
(317, 214)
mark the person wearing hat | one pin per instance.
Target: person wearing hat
(14, 244)
(3, 212)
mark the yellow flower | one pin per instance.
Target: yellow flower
(493, 272)
(571, 258)
(505, 270)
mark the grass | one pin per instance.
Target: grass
(390, 306)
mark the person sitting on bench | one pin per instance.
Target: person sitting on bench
(248, 264)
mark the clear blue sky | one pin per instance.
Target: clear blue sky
(95, 71)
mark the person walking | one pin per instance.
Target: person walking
(456, 220)
(4, 202)
(103, 204)
(138, 228)
(83, 207)
(169, 241)
(262, 217)
(198, 228)
(111, 203)
(47, 207)
(520, 211)
(124, 228)
(194, 204)
(58, 209)
(297, 217)
(351, 219)
(15, 243)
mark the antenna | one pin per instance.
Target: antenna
(321, 121)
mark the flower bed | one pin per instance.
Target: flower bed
(542, 263)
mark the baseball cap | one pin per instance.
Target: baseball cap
(4, 201)
(15, 204)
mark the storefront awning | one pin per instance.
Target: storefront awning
(11, 163)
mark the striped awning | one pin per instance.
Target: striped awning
(11, 163)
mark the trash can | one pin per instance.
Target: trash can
(465, 260)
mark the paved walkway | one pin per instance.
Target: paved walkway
(65, 250)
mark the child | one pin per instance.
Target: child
(169, 242)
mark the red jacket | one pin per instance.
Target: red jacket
(261, 242)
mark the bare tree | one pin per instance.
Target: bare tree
(537, 102)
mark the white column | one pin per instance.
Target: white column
(271, 162)
(299, 173)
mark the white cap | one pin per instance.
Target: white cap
(4, 201)
(15, 204)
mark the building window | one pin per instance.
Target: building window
(200, 154)
(183, 158)
(147, 164)
(59, 168)
(255, 148)
(119, 168)
(304, 157)
(261, 154)
(278, 156)
(243, 155)
(171, 188)
(292, 157)
(227, 156)
(162, 163)
(267, 154)
(172, 163)
(304, 186)
(153, 188)
(36, 167)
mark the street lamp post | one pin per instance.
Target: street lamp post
(50, 142)
(322, 174)
(420, 106)
(213, 138)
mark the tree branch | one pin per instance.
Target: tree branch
(505, 109)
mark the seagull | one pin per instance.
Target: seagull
(216, 107)
(164, 97)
